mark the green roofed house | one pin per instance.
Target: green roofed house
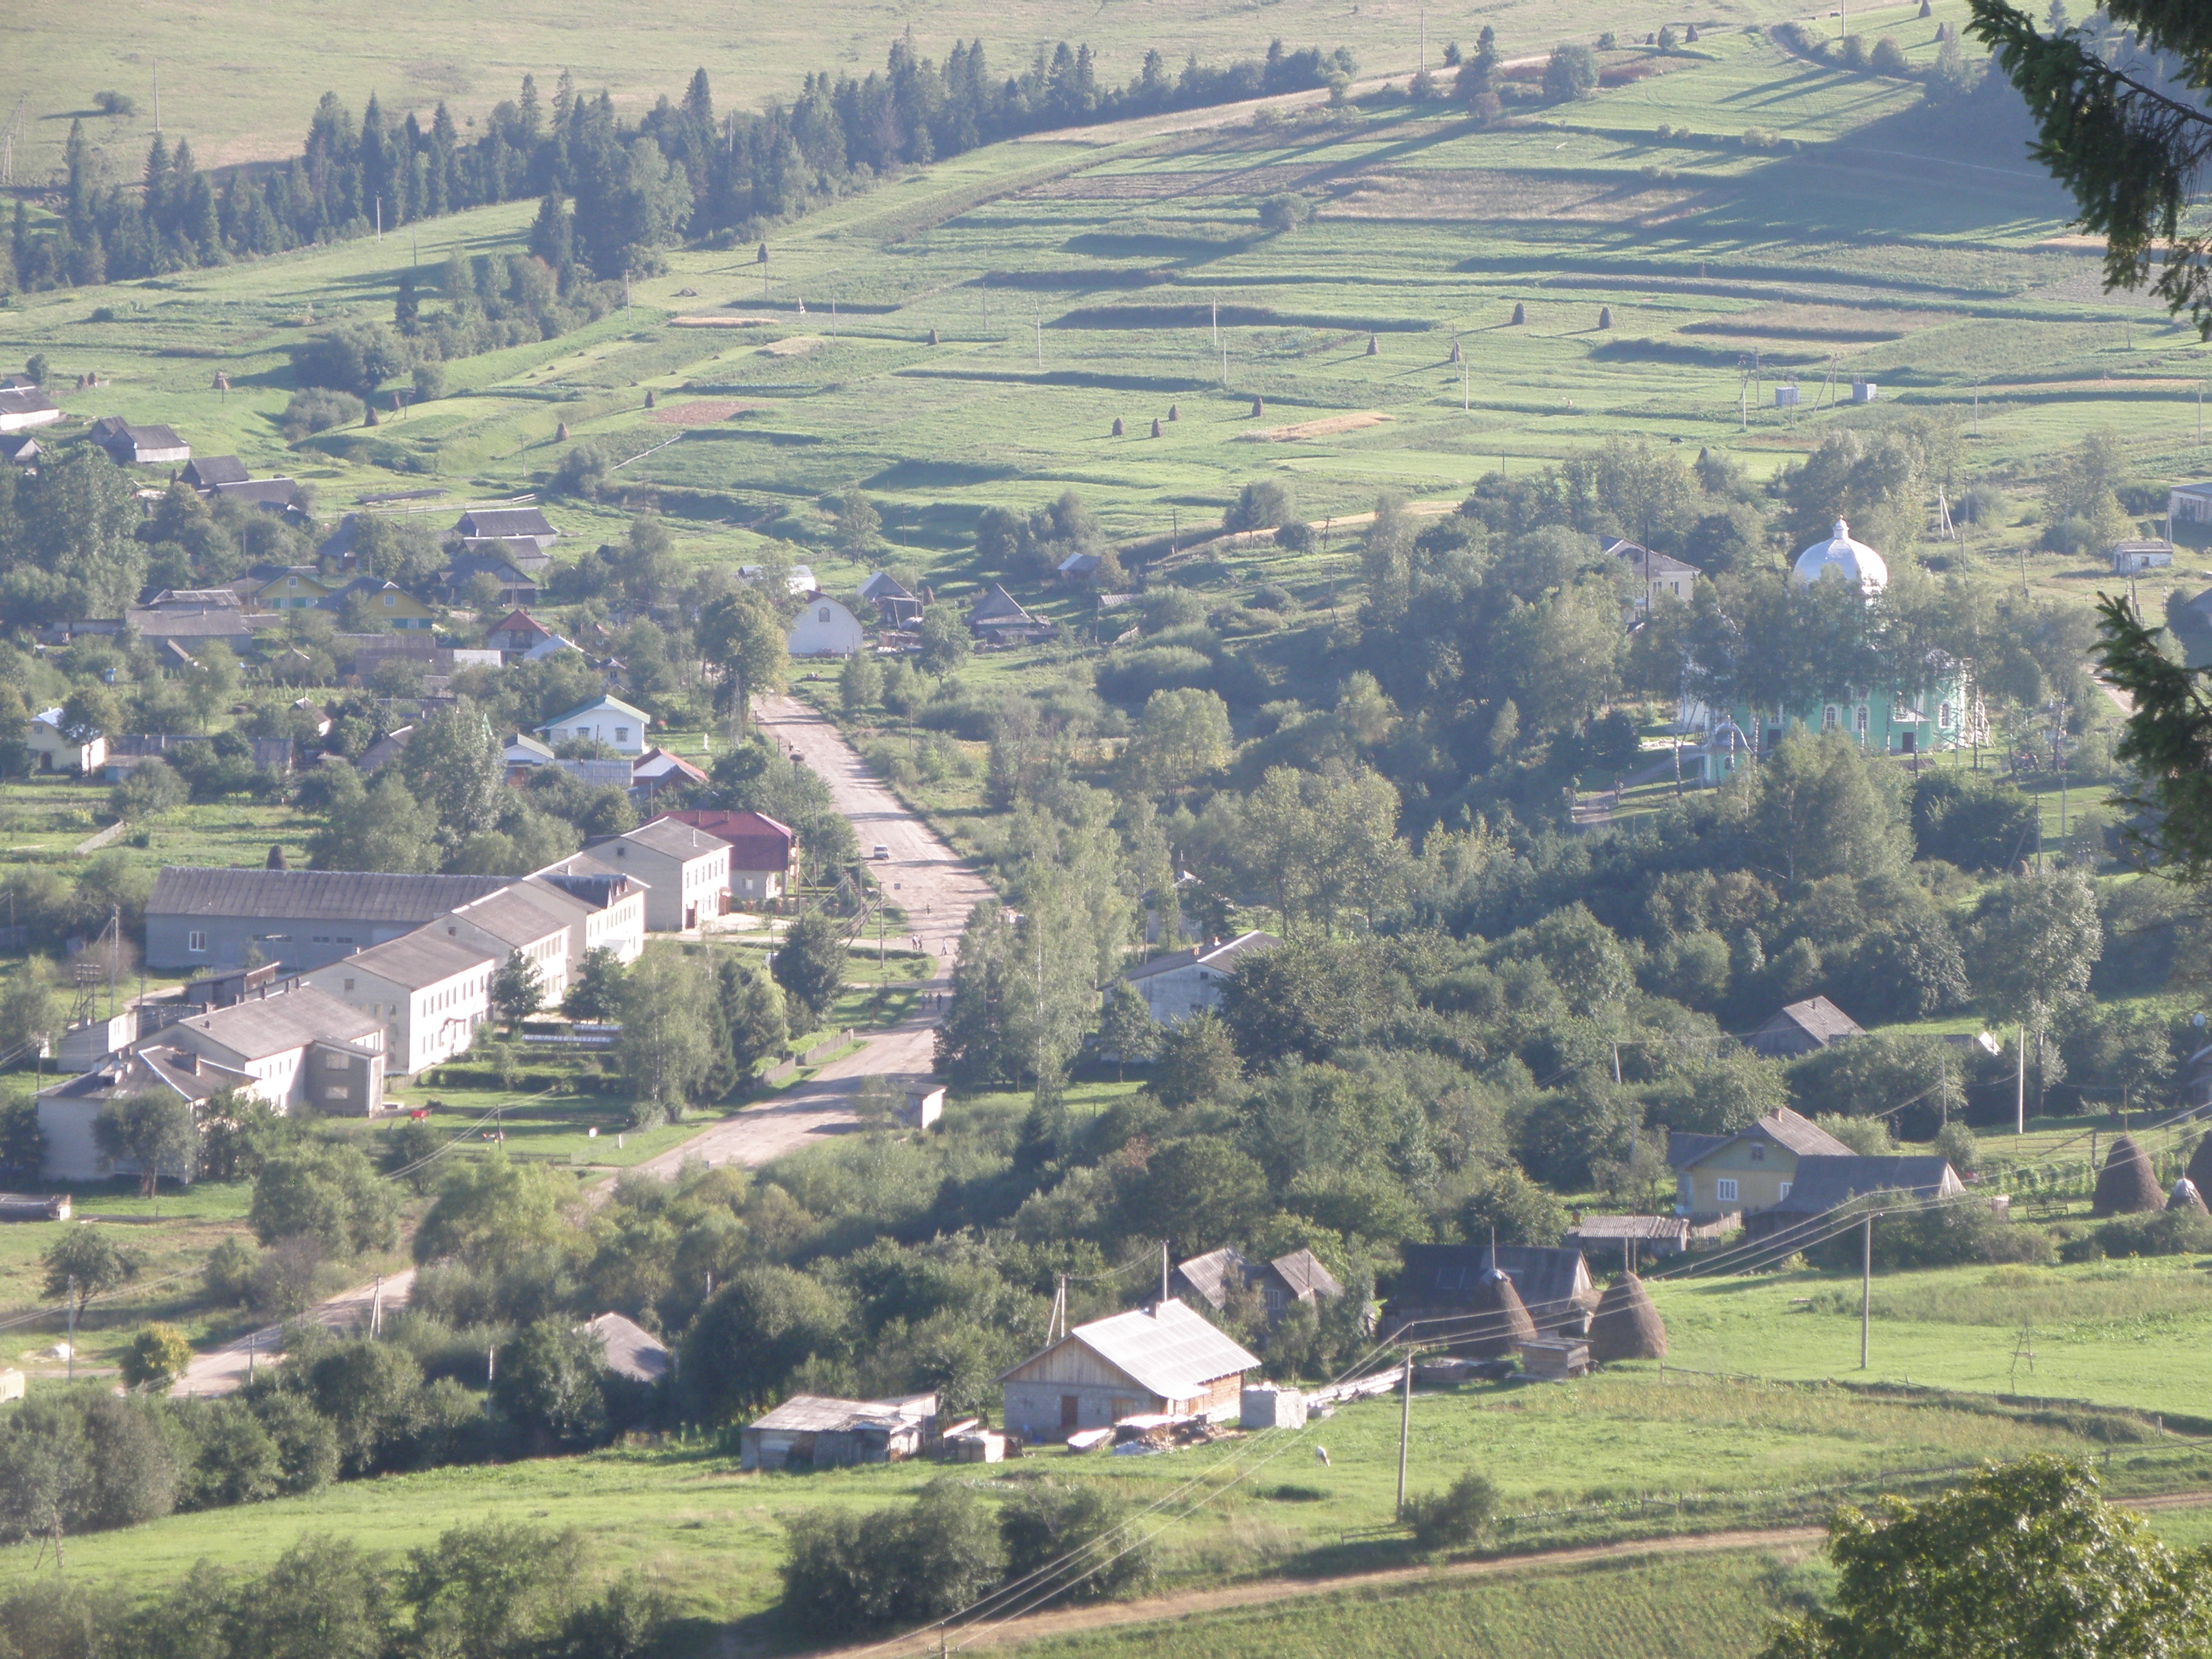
(609, 720)
(1944, 712)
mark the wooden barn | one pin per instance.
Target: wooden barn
(1162, 1361)
(814, 1431)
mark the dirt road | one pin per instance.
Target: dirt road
(220, 1370)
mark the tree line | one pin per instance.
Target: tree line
(635, 187)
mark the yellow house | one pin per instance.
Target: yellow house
(300, 589)
(397, 607)
(1747, 1171)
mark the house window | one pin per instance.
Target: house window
(348, 984)
(824, 615)
(1862, 719)
(1758, 1153)
(196, 940)
(291, 581)
(1784, 1189)
(337, 1091)
(1724, 1190)
(1828, 719)
(387, 600)
(622, 734)
(1943, 714)
(334, 1062)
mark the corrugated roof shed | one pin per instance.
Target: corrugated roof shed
(816, 1413)
(1215, 1275)
(1303, 1273)
(1824, 1183)
(313, 895)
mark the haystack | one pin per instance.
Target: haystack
(1626, 1326)
(2127, 1185)
(2200, 1165)
(1156, 426)
(1497, 1319)
(1117, 426)
(1605, 316)
(1258, 409)
(2186, 1196)
(1520, 313)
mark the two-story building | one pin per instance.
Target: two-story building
(430, 990)
(1750, 1170)
(763, 853)
(199, 917)
(609, 720)
(611, 906)
(535, 922)
(686, 872)
(1185, 982)
(54, 750)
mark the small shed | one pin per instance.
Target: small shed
(812, 1431)
(1268, 1406)
(922, 1107)
(2128, 557)
(1799, 1029)
(1554, 1359)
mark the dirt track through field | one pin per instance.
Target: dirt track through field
(1228, 1598)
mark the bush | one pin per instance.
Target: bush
(318, 409)
(1889, 58)
(2159, 1232)
(1131, 677)
(150, 789)
(1046, 1521)
(1297, 537)
(1571, 74)
(1286, 211)
(1975, 824)
(157, 1356)
(583, 471)
(1958, 1234)
(1455, 1517)
(429, 382)
(847, 1572)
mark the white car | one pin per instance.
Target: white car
(881, 851)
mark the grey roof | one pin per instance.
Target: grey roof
(1597, 1228)
(667, 836)
(25, 400)
(1221, 955)
(997, 605)
(884, 585)
(520, 916)
(20, 447)
(268, 1025)
(157, 1066)
(313, 895)
(1169, 1349)
(1784, 1128)
(816, 1413)
(149, 437)
(1661, 564)
(1819, 1019)
(631, 1350)
(1216, 1273)
(215, 622)
(497, 523)
(523, 554)
(1822, 1182)
(1304, 1277)
(1447, 1275)
(196, 599)
(415, 960)
(205, 471)
(260, 492)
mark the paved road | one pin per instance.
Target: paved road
(222, 1369)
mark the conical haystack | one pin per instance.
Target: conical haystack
(2200, 1165)
(1496, 1320)
(1626, 1326)
(2186, 1196)
(2127, 1185)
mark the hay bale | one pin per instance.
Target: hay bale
(1605, 316)
(648, 397)
(1117, 426)
(760, 258)
(370, 420)
(1497, 1319)
(560, 432)
(1174, 412)
(1626, 1326)
(933, 337)
(2127, 1185)
(2200, 1166)
(1373, 350)
(1520, 313)
(2186, 1196)
(1156, 426)
(1258, 409)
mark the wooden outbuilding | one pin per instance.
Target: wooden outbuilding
(1159, 1361)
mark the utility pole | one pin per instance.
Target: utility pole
(1039, 315)
(379, 218)
(1163, 1271)
(2020, 1094)
(1464, 406)
(1405, 1427)
(72, 1328)
(1866, 1286)
(1217, 324)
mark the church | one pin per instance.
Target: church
(1947, 714)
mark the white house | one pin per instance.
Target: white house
(1185, 982)
(51, 751)
(611, 903)
(2189, 504)
(537, 923)
(2129, 557)
(22, 407)
(686, 872)
(430, 991)
(610, 719)
(825, 628)
(1654, 573)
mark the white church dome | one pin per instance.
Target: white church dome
(1847, 560)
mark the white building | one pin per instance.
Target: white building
(430, 991)
(609, 907)
(2189, 504)
(1185, 982)
(1164, 1361)
(2130, 557)
(608, 719)
(1654, 573)
(825, 628)
(51, 751)
(22, 407)
(537, 923)
(686, 872)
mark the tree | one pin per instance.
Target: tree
(2127, 138)
(1197, 1194)
(491, 1211)
(809, 965)
(741, 637)
(1182, 735)
(28, 1007)
(750, 1026)
(547, 1380)
(2033, 946)
(859, 684)
(1072, 1533)
(1512, 1209)
(595, 992)
(496, 1588)
(847, 1572)
(326, 1189)
(943, 642)
(1453, 1518)
(157, 1356)
(324, 1599)
(2168, 741)
(1198, 1062)
(153, 1132)
(382, 828)
(150, 790)
(452, 765)
(666, 1046)
(759, 1329)
(212, 686)
(1126, 1030)
(2022, 1559)
(517, 989)
(84, 1262)
(1571, 72)
(860, 526)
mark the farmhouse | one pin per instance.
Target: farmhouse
(1827, 1182)
(199, 917)
(1802, 1027)
(210, 470)
(518, 631)
(1160, 1361)
(607, 720)
(825, 628)
(1446, 1282)
(762, 852)
(1283, 1283)
(506, 524)
(54, 751)
(1185, 982)
(299, 588)
(139, 446)
(22, 407)
(21, 449)
(998, 616)
(895, 607)
(514, 587)
(1654, 573)
(385, 601)
(430, 993)
(1748, 1171)
(815, 1431)
(686, 872)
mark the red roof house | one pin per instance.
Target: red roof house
(761, 851)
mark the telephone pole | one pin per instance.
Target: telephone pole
(1866, 1286)
(1405, 1427)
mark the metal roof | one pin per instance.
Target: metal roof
(268, 1025)
(415, 960)
(1784, 1128)
(497, 523)
(1823, 1183)
(313, 895)
(668, 838)
(519, 916)
(1216, 1273)
(1220, 955)
(1819, 1019)
(1169, 1349)
(1595, 1227)
(816, 1413)
(1448, 1275)
(631, 1350)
